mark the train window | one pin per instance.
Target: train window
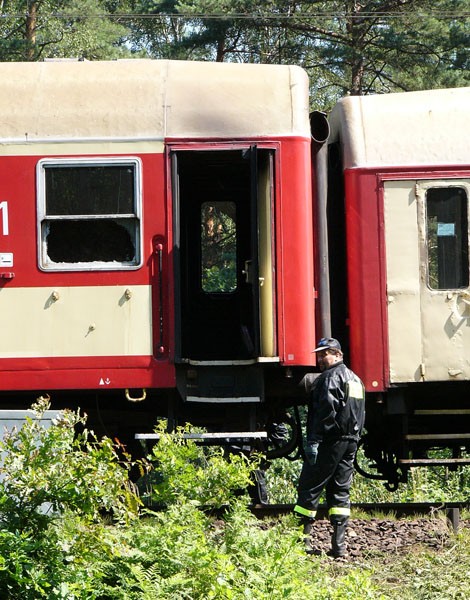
(447, 237)
(89, 214)
(218, 247)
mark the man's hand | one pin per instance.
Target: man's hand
(311, 453)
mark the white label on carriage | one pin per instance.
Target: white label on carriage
(6, 259)
(445, 229)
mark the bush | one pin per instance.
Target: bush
(184, 552)
(68, 526)
(56, 486)
(204, 476)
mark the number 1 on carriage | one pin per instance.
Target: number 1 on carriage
(4, 209)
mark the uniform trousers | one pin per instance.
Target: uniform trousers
(332, 472)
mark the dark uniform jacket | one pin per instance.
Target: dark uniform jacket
(337, 406)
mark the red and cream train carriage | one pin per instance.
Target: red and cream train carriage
(108, 174)
(403, 163)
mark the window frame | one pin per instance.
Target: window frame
(44, 263)
(445, 184)
(234, 289)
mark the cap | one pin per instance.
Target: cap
(327, 344)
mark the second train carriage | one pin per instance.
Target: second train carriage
(399, 172)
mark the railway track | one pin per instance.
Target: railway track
(452, 510)
(384, 531)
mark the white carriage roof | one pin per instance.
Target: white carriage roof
(412, 128)
(150, 99)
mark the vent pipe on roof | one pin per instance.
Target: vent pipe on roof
(320, 130)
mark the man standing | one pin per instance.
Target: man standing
(335, 418)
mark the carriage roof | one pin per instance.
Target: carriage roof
(411, 128)
(150, 99)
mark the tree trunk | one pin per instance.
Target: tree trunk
(356, 28)
(30, 34)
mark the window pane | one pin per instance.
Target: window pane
(102, 240)
(218, 247)
(89, 190)
(447, 238)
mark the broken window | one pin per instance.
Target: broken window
(89, 214)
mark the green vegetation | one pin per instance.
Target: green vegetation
(55, 487)
(433, 484)
(425, 575)
(72, 527)
(346, 47)
(218, 247)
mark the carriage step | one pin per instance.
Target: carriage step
(433, 462)
(223, 399)
(437, 436)
(230, 436)
(442, 412)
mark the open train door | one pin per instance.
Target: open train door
(223, 254)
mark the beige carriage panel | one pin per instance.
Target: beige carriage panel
(148, 100)
(403, 288)
(445, 297)
(428, 297)
(76, 321)
(412, 128)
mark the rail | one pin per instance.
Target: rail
(452, 510)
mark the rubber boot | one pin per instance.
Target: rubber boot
(338, 543)
(308, 529)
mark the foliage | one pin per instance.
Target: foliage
(346, 47)
(218, 247)
(55, 486)
(40, 29)
(68, 529)
(184, 552)
(67, 551)
(429, 575)
(202, 476)
(55, 466)
(281, 479)
(388, 45)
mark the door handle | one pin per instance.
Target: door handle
(158, 254)
(248, 271)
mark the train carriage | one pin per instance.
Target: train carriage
(118, 183)
(403, 160)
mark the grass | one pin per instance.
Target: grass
(427, 575)
(418, 574)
